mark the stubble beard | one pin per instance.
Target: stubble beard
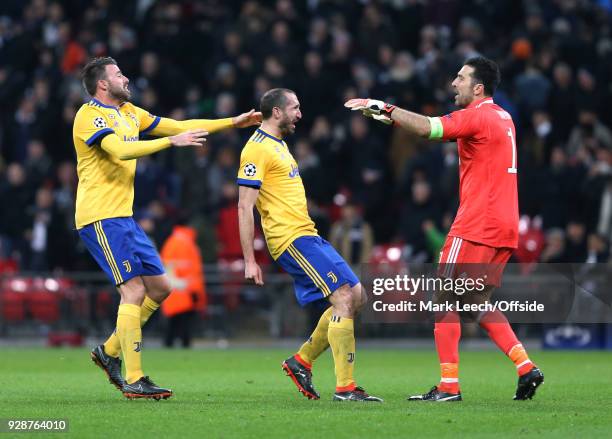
(120, 94)
(285, 127)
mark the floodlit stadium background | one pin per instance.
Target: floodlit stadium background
(377, 194)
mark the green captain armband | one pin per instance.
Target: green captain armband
(437, 131)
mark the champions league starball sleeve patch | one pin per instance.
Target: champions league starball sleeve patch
(250, 170)
(99, 122)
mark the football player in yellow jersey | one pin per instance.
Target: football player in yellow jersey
(269, 178)
(106, 136)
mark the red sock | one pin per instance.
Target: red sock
(503, 336)
(499, 330)
(447, 332)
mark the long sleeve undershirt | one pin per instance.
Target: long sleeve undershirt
(166, 127)
(170, 127)
(132, 150)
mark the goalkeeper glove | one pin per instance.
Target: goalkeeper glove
(373, 108)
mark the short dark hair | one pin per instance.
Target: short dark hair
(486, 72)
(276, 97)
(95, 70)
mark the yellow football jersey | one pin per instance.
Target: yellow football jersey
(106, 183)
(267, 164)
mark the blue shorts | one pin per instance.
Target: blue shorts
(122, 249)
(316, 267)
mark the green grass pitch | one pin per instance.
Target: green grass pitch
(243, 393)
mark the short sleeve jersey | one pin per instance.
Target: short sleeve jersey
(266, 164)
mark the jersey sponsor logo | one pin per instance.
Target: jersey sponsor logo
(250, 170)
(99, 122)
(295, 172)
(138, 346)
(130, 138)
(332, 276)
(128, 267)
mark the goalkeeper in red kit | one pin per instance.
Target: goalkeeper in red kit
(485, 230)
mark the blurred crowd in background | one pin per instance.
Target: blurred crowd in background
(368, 185)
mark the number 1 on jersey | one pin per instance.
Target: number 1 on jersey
(512, 170)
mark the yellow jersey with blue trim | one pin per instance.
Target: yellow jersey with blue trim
(106, 183)
(266, 164)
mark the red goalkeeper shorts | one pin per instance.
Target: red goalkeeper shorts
(460, 258)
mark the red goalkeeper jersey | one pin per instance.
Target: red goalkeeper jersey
(488, 196)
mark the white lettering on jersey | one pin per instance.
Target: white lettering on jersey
(503, 114)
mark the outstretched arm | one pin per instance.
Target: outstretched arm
(116, 147)
(412, 122)
(168, 127)
(247, 196)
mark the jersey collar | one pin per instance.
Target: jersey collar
(478, 102)
(97, 102)
(259, 130)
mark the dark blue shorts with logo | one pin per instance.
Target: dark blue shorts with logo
(122, 249)
(316, 267)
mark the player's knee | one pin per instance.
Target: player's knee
(343, 302)
(163, 290)
(159, 290)
(360, 298)
(133, 291)
(345, 309)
